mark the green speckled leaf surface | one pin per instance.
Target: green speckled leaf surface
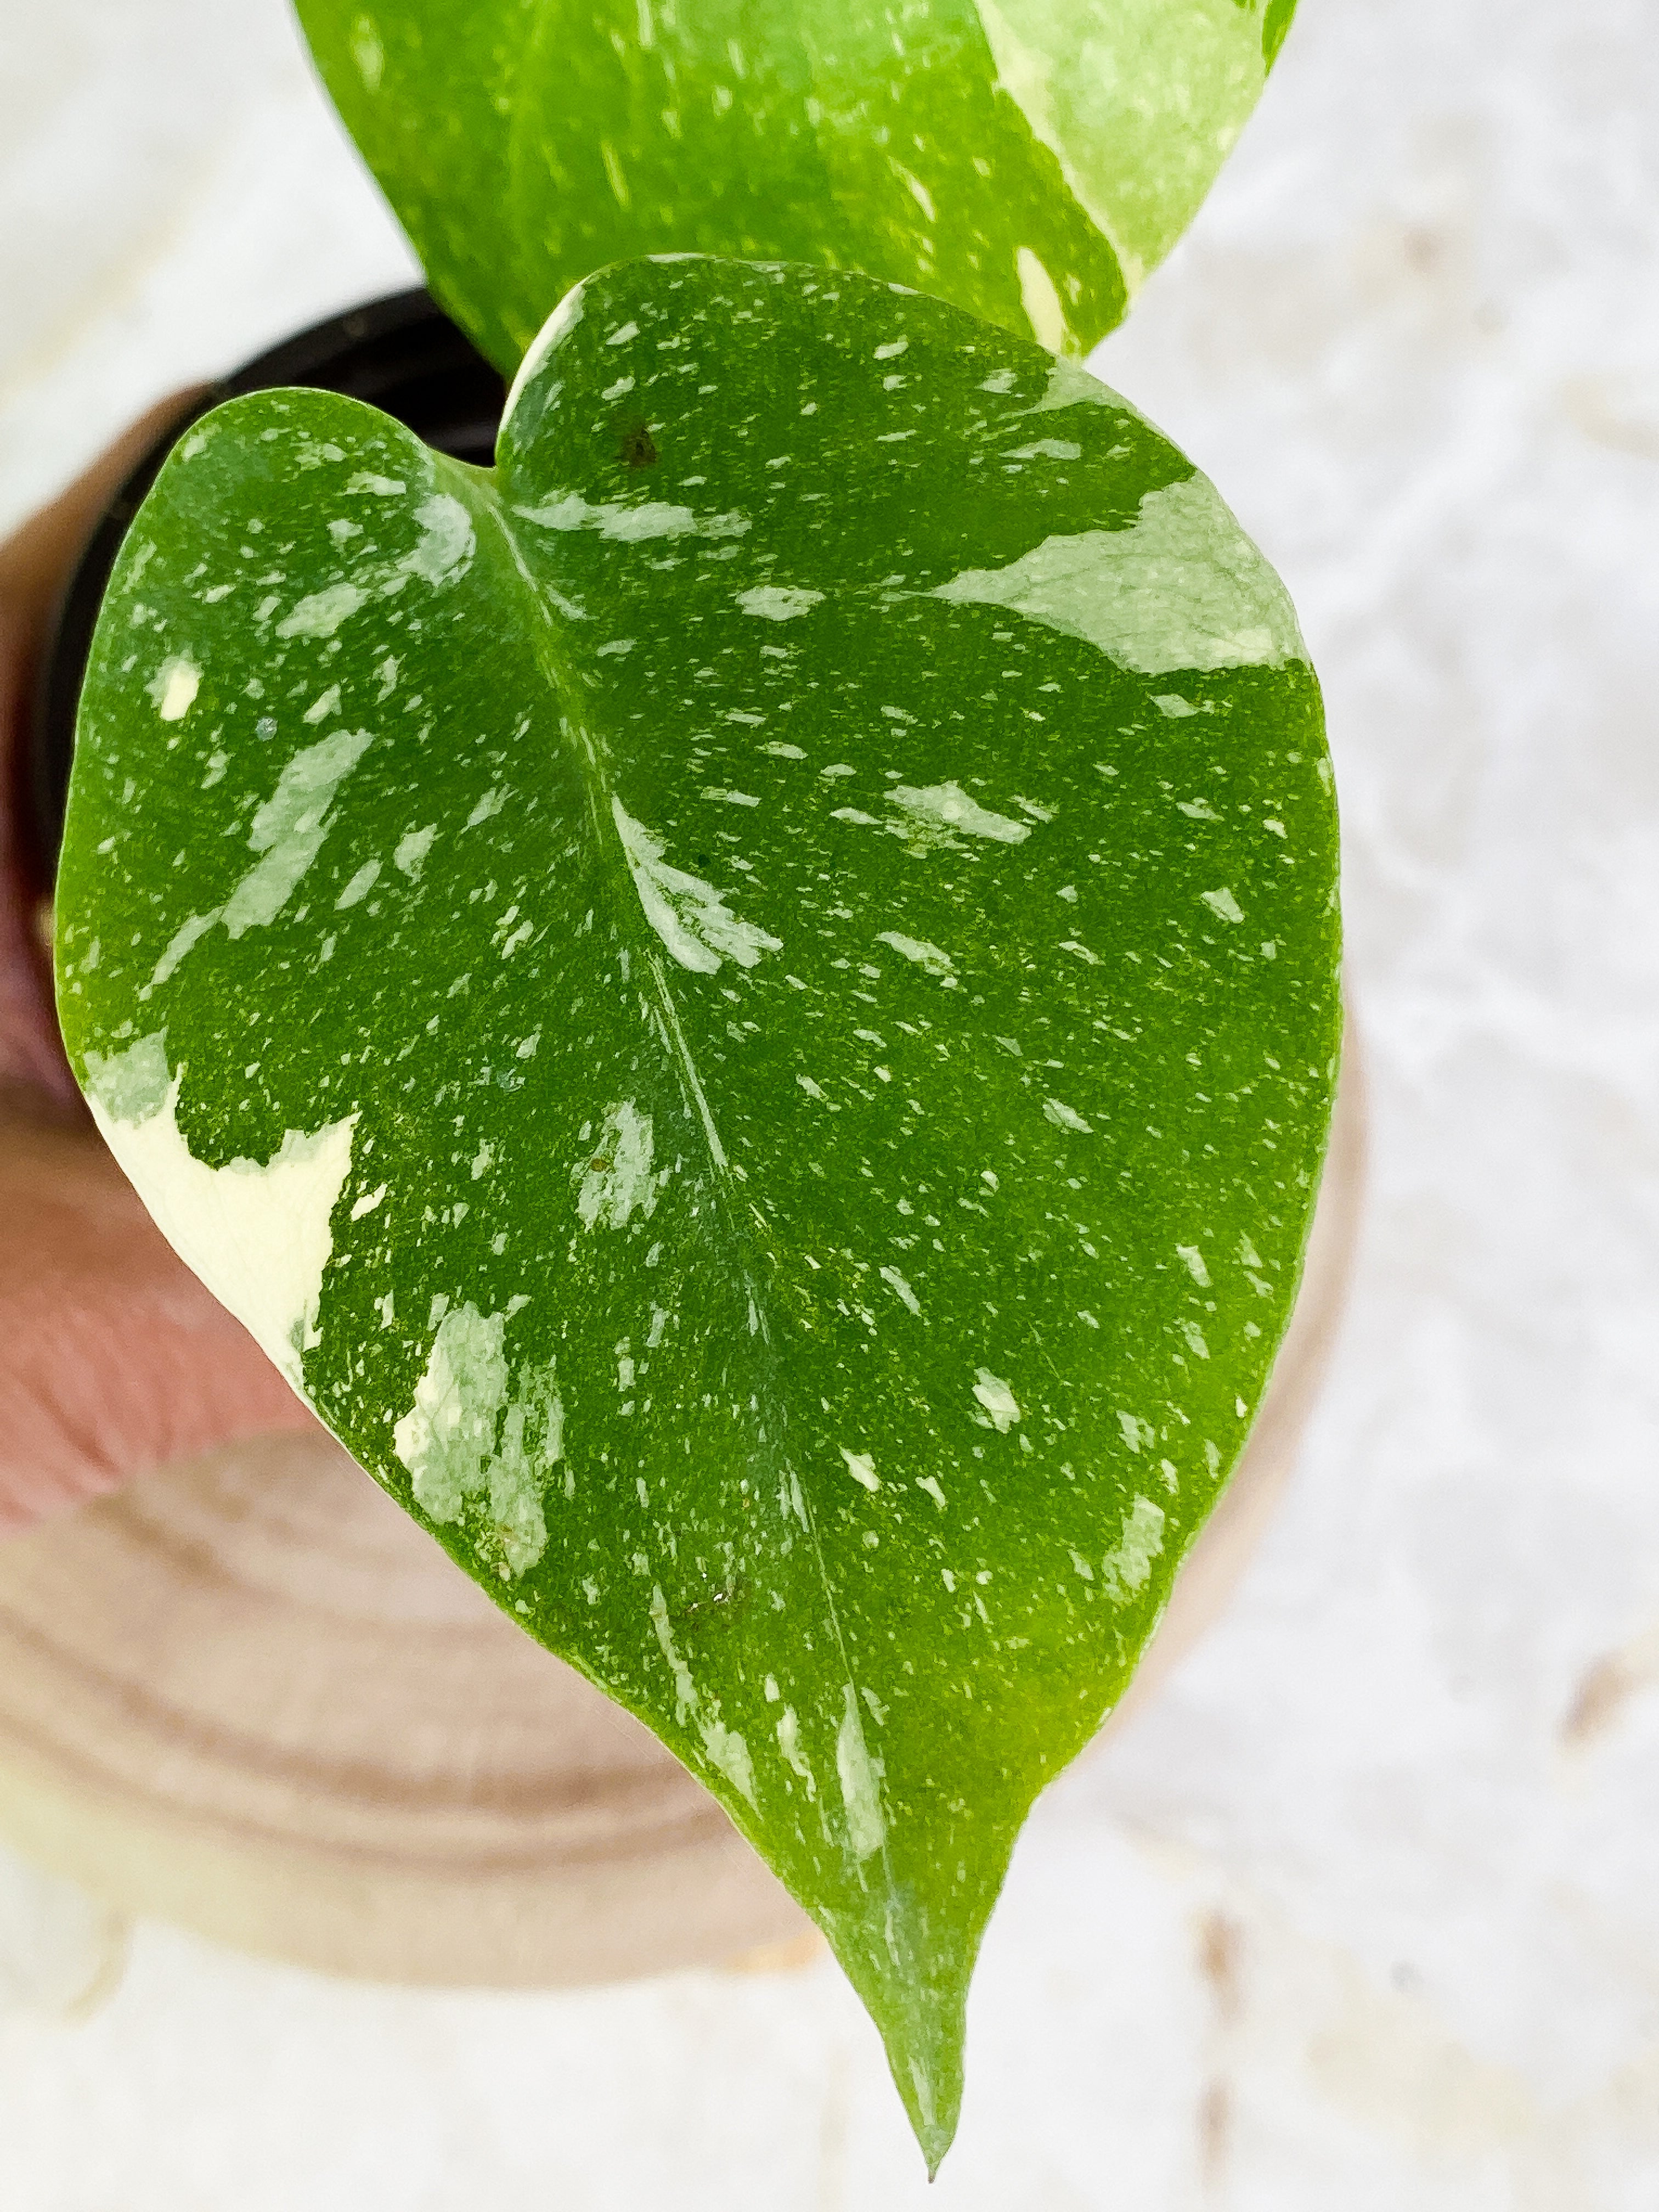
(1029, 160)
(747, 1004)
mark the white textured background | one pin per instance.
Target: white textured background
(1365, 1913)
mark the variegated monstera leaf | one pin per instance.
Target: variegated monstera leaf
(747, 1006)
(1029, 160)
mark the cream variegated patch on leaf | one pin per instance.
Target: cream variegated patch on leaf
(747, 1004)
(1029, 160)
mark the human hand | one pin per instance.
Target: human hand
(113, 1359)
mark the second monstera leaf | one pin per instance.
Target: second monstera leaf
(1029, 160)
(747, 1006)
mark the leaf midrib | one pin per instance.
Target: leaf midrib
(485, 493)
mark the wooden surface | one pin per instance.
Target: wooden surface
(248, 1695)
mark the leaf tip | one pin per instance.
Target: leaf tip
(920, 2015)
(933, 2105)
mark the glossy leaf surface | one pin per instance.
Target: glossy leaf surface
(747, 1005)
(1029, 160)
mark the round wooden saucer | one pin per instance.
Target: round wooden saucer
(247, 1695)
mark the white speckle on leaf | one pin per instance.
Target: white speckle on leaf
(174, 687)
(187, 933)
(727, 1750)
(1127, 1566)
(1223, 903)
(789, 1745)
(1194, 1261)
(289, 828)
(862, 1468)
(368, 53)
(998, 1400)
(360, 886)
(444, 552)
(449, 1432)
(778, 602)
(861, 1786)
(289, 831)
(630, 523)
(616, 1182)
(412, 849)
(1183, 588)
(946, 807)
(319, 614)
(131, 1085)
(901, 1288)
(369, 1201)
(1065, 1117)
(690, 917)
(466, 1438)
(926, 955)
(1041, 301)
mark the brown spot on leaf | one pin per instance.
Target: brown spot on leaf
(638, 451)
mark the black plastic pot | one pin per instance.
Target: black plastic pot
(402, 355)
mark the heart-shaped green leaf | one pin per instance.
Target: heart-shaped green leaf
(1029, 160)
(748, 1005)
